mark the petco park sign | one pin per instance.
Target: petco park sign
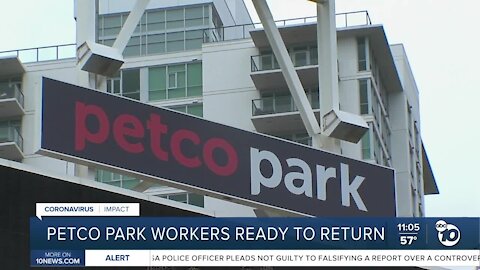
(88, 126)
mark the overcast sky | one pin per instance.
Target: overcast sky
(442, 42)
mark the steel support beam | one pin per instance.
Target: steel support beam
(130, 24)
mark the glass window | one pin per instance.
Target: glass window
(175, 14)
(131, 83)
(194, 17)
(362, 53)
(129, 183)
(175, 41)
(196, 199)
(107, 42)
(9, 129)
(283, 103)
(193, 39)
(156, 20)
(176, 76)
(155, 17)
(192, 44)
(156, 43)
(172, 80)
(194, 22)
(113, 86)
(8, 88)
(366, 146)
(195, 109)
(217, 22)
(116, 179)
(176, 81)
(125, 83)
(178, 197)
(300, 57)
(112, 21)
(182, 108)
(313, 55)
(266, 62)
(194, 34)
(110, 25)
(175, 18)
(157, 83)
(377, 150)
(194, 12)
(111, 31)
(159, 31)
(302, 138)
(133, 47)
(267, 103)
(194, 79)
(364, 104)
(315, 99)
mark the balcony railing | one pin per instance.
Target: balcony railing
(11, 134)
(39, 54)
(9, 90)
(354, 18)
(280, 104)
(269, 62)
(305, 140)
(347, 19)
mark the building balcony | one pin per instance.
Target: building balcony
(267, 75)
(278, 114)
(11, 143)
(11, 100)
(290, 29)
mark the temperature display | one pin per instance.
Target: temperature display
(408, 233)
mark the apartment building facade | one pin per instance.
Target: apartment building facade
(206, 58)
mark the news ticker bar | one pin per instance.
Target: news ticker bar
(253, 258)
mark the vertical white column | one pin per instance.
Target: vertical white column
(327, 67)
(86, 30)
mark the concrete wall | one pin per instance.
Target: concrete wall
(228, 90)
(63, 70)
(400, 153)
(411, 98)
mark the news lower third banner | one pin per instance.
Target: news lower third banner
(159, 241)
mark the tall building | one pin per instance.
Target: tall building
(207, 58)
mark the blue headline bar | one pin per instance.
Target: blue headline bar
(253, 233)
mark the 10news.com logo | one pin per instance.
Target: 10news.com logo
(448, 234)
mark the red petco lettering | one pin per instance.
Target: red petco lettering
(129, 131)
